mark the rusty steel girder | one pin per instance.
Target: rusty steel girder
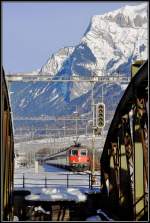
(124, 161)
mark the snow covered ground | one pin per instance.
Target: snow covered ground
(77, 188)
(59, 192)
(49, 176)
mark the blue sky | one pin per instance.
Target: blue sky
(33, 31)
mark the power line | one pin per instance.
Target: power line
(35, 78)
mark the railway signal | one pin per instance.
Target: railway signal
(98, 131)
(100, 115)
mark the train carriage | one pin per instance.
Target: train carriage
(76, 157)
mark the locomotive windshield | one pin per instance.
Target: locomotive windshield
(74, 152)
(83, 152)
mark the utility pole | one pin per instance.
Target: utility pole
(54, 143)
(102, 93)
(86, 130)
(30, 157)
(93, 135)
(76, 122)
(47, 130)
(76, 118)
(32, 132)
(76, 127)
(64, 128)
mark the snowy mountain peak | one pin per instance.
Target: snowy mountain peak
(139, 8)
(109, 46)
(134, 16)
(116, 38)
(55, 62)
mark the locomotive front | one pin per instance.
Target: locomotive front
(78, 158)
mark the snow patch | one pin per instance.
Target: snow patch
(57, 194)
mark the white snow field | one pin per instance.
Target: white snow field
(56, 188)
(49, 176)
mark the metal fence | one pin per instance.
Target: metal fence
(87, 180)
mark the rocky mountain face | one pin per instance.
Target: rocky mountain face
(55, 62)
(110, 44)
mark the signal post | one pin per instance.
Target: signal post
(98, 125)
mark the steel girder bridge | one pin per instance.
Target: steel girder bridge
(124, 161)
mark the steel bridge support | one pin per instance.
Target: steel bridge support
(124, 161)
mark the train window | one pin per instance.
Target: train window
(74, 152)
(83, 152)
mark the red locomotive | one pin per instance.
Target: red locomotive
(75, 157)
(78, 157)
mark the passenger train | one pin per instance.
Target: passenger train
(76, 157)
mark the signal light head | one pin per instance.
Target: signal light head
(100, 115)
